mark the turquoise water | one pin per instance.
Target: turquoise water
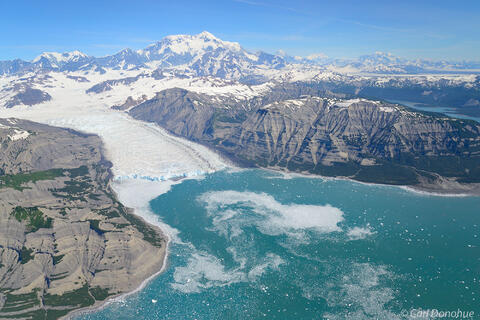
(257, 245)
(451, 112)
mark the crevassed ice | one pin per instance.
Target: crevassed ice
(138, 150)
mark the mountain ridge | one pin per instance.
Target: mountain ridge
(369, 141)
(205, 54)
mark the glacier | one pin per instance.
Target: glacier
(145, 158)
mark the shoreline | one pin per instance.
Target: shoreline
(102, 304)
(99, 305)
(136, 194)
(422, 190)
(120, 297)
(135, 208)
(166, 187)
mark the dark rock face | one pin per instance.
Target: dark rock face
(365, 140)
(130, 102)
(108, 84)
(28, 96)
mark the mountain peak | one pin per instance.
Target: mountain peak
(190, 44)
(57, 57)
(207, 35)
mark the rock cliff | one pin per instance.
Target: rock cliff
(309, 131)
(65, 241)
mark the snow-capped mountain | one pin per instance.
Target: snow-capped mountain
(125, 59)
(387, 63)
(384, 63)
(66, 61)
(206, 55)
(199, 55)
(60, 58)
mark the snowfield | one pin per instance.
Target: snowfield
(139, 151)
(146, 159)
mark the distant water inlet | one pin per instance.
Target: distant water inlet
(451, 112)
(258, 245)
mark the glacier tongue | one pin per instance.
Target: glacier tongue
(137, 150)
(141, 150)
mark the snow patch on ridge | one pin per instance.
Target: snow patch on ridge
(19, 135)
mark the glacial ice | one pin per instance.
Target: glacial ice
(139, 151)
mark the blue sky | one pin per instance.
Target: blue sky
(415, 29)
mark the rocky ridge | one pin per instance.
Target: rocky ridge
(370, 141)
(65, 241)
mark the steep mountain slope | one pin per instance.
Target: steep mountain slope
(366, 140)
(65, 241)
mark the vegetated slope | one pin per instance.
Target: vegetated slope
(366, 140)
(65, 241)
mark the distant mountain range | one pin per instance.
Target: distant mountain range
(314, 114)
(201, 55)
(387, 63)
(205, 55)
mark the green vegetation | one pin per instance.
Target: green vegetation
(37, 314)
(120, 225)
(57, 259)
(77, 172)
(388, 174)
(55, 314)
(34, 217)
(76, 189)
(149, 233)
(16, 181)
(109, 212)
(93, 196)
(25, 255)
(95, 225)
(79, 184)
(82, 297)
(99, 293)
(78, 298)
(19, 302)
(59, 276)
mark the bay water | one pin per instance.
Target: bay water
(255, 244)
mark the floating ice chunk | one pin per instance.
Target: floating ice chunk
(233, 210)
(358, 233)
(204, 271)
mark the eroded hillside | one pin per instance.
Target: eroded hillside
(366, 140)
(65, 240)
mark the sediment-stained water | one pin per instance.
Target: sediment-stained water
(254, 244)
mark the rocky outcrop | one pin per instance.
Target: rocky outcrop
(109, 84)
(65, 241)
(28, 96)
(130, 102)
(365, 140)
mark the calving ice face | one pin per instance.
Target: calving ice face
(261, 170)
